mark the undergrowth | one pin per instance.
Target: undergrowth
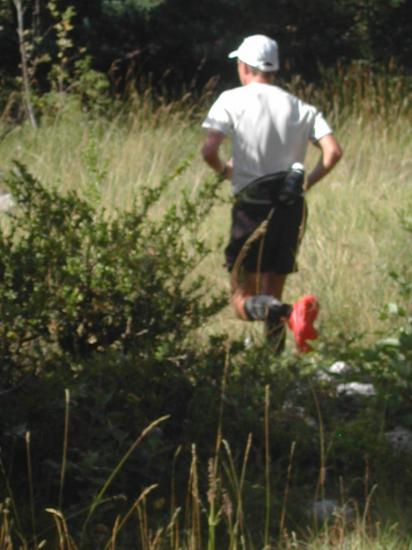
(122, 432)
(128, 422)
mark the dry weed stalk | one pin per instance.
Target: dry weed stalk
(266, 545)
(192, 516)
(65, 446)
(286, 492)
(65, 540)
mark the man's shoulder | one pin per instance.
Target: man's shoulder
(271, 94)
(232, 92)
(277, 94)
(291, 97)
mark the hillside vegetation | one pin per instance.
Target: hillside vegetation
(140, 412)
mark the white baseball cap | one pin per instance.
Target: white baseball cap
(258, 51)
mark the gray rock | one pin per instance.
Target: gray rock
(356, 388)
(400, 439)
(323, 510)
(324, 376)
(297, 411)
(340, 367)
(248, 341)
(6, 202)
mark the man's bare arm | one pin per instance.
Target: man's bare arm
(210, 153)
(331, 153)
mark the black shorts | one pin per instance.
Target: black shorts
(280, 241)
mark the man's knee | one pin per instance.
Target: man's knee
(238, 300)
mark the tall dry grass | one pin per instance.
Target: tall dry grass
(217, 520)
(354, 238)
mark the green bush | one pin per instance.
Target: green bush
(105, 307)
(75, 281)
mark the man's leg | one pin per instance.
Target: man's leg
(273, 283)
(269, 284)
(242, 291)
(275, 331)
(253, 284)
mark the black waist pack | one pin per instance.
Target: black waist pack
(283, 187)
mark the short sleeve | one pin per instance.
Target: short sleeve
(219, 117)
(320, 128)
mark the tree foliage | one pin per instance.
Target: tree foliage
(190, 40)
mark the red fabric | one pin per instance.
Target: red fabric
(301, 320)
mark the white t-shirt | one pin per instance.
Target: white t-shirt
(270, 129)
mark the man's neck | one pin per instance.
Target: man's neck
(261, 79)
(258, 78)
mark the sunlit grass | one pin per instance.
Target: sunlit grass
(354, 238)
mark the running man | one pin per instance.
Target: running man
(270, 130)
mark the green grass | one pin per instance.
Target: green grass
(354, 239)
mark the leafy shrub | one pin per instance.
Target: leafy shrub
(103, 306)
(76, 282)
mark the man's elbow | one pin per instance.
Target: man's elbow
(205, 152)
(334, 155)
(338, 153)
(209, 153)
